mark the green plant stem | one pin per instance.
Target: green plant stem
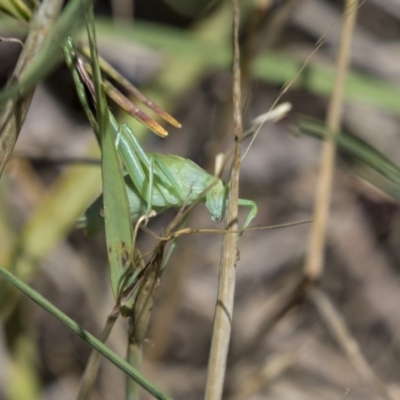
(83, 334)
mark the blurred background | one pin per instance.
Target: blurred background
(179, 54)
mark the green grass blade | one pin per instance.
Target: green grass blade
(357, 148)
(83, 334)
(117, 213)
(319, 79)
(17, 9)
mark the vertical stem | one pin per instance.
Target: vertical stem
(140, 317)
(14, 112)
(92, 367)
(226, 290)
(314, 262)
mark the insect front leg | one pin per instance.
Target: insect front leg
(131, 157)
(139, 165)
(253, 212)
(131, 140)
(149, 162)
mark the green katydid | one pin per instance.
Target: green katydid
(157, 181)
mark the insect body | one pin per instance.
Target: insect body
(168, 180)
(159, 181)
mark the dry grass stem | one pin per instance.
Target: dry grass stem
(314, 261)
(226, 290)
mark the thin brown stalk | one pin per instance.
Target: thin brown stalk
(172, 288)
(140, 314)
(314, 262)
(92, 366)
(14, 112)
(224, 306)
(11, 40)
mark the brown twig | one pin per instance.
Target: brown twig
(314, 260)
(189, 231)
(12, 40)
(167, 309)
(224, 307)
